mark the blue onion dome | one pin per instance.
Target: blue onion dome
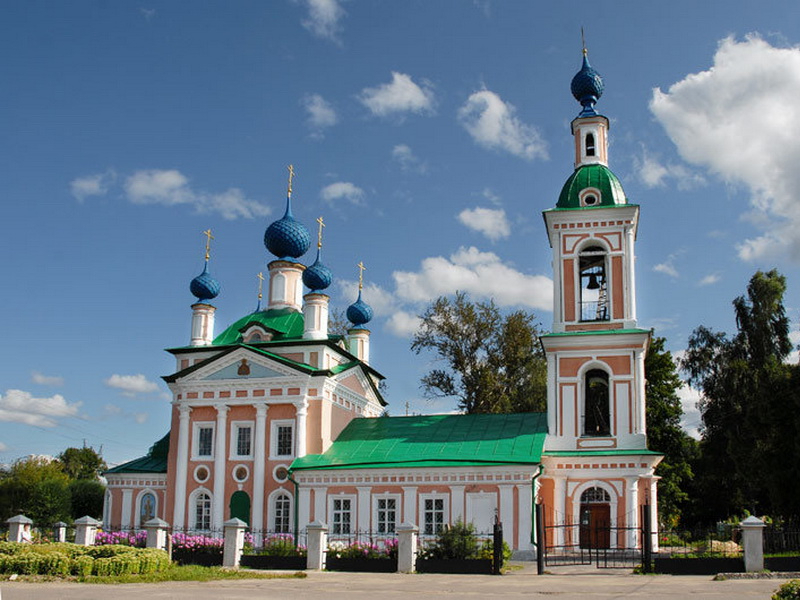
(317, 277)
(204, 286)
(287, 237)
(359, 312)
(587, 87)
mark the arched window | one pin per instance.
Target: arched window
(595, 495)
(596, 404)
(147, 508)
(593, 284)
(202, 511)
(589, 144)
(281, 513)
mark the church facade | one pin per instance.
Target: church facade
(278, 423)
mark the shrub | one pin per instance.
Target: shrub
(788, 591)
(82, 566)
(456, 541)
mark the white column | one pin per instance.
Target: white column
(127, 509)
(524, 522)
(363, 516)
(321, 504)
(410, 505)
(507, 507)
(181, 467)
(632, 508)
(456, 503)
(218, 506)
(654, 511)
(406, 547)
(558, 285)
(560, 498)
(552, 393)
(639, 399)
(301, 414)
(259, 456)
(631, 260)
(304, 506)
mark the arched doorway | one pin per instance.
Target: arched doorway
(595, 527)
(240, 506)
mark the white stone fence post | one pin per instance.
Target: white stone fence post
(317, 545)
(86, 530)
(156, 533)
(19, 529)
(234, 542)
(60, 531)
(753, 542)
(407, 535)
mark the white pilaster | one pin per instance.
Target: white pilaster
(639, 399)
(181, 467)
(552, 393)
(560, 497)
(363, 517)
(457, 499)
(524, 521)
(506, 515)
(304, 507)
(631, 291)
(632, 508)
(259, 454)
(127, 509)
(321, 504)
(218, 506)
(302, 417)
(654, 511)
(410, 504)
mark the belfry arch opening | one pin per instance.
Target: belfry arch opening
(590, 145)
(596, 418)
(593, 284)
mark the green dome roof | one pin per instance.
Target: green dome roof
(598, 177)
(286, 322)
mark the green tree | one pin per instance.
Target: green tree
(749, 453)
(490, 363)
(664, 432)
(82, 463)
(86, 498)
(35, 486)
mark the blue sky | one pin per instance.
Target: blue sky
(430, 135)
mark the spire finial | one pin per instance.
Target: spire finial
(260, 277)
(291, 176)
(361, 269)
(209, 237)
(583, 42)
(319, 235)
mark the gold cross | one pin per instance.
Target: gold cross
(319, 235)
(260, 283)
(209, 237)
(291, 176)
(361, 269)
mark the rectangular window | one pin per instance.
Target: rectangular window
(342, 516)
(205, 440)
(386, 517)
(433, 515)
(282, 514)
(284, 446)
(243, 441)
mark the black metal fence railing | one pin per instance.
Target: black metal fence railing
(602, 545)
(782, 538)
(722, 542)
(275, 543)
(369, 543)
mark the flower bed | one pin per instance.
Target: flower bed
(362, 556)
(278, 552)
(121, 538)
(200, 550)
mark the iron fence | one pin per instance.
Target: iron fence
(782, 537)
(722, 541)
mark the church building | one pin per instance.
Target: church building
(279, 423)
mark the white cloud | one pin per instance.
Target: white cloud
(3, 447)
(92, 185)
(383, 302)
(321, 114)
(140, 417)
(736, 121)
(323, 19)
(18, 406)
(132, 384)
(709, 279)
(654, 173)
(403, 324)
(493, 124)
(491, 196)
(407, 159)
(481, 274)
(490, 222)
(691, 420)
(342, 190)
(668, 266)
(170, 187)
(402, 95)
(52, 380)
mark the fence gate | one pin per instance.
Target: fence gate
(594, 541)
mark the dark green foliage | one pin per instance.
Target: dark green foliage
(49, 502)
(749, 453)
(82, 463)
(490, 363)
(455, 541)
(664, 432)
(86, 498)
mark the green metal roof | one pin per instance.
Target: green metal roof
(286, 322)
(155, 461)
(596, 176)
(434, 440)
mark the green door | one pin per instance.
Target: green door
(240, 506)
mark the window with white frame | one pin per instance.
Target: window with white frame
(203, 441)
(281, 513)
(385, 513)
(282, 439)
(342, 515)
(202, 511)
(242, 439)
(434, 511)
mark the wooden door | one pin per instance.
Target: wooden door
(595, 526)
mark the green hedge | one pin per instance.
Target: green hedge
(71, 559)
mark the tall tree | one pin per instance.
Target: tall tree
(82, 463)
(664, 432)
(491, 363)
(749, 456)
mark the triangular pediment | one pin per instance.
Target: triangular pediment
(357, 381)
(241, 363)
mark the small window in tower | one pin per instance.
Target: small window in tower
(589, 144)
(593, 285)
(596, 404)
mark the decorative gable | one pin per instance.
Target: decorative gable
(244, 368)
